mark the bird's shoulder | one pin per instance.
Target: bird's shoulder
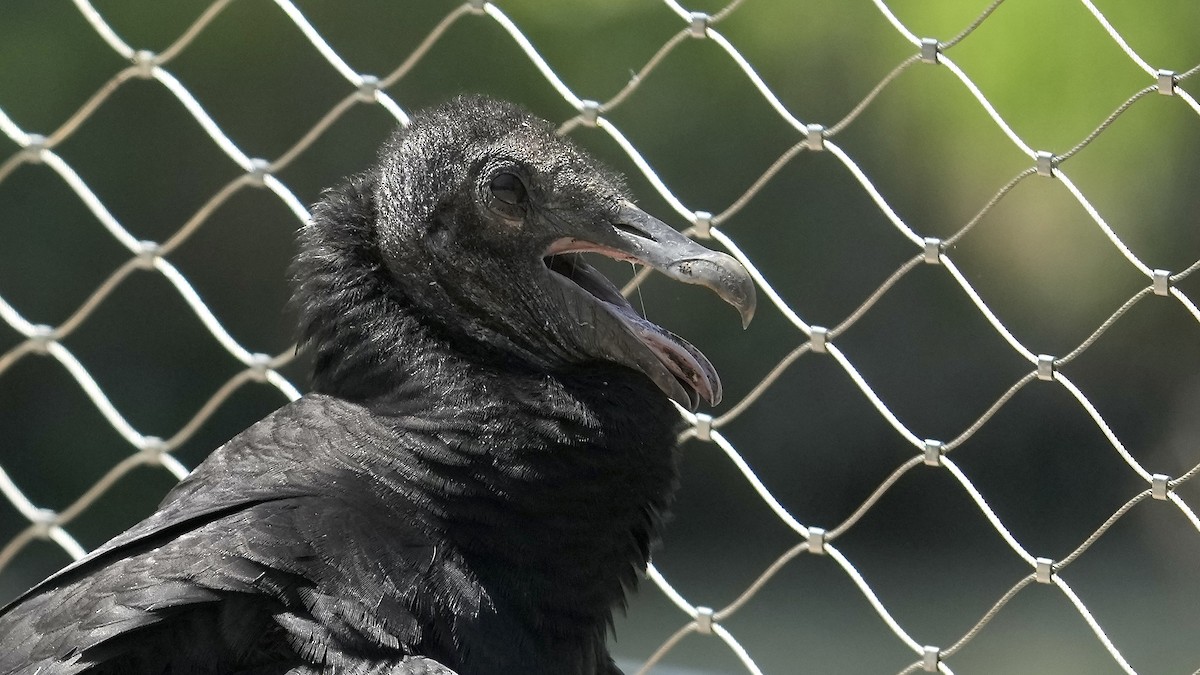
(275, 583)
(279, 514)
(273, 459)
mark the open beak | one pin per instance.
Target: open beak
(685, 374)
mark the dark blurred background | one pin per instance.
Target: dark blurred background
(1037, 259)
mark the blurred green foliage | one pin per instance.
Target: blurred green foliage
(927, 145)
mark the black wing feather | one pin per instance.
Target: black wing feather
(245, 565)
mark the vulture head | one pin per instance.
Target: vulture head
(478, 214)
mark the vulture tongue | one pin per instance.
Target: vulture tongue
(588, 278)
(683, 360)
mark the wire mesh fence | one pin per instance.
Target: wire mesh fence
(965, 440)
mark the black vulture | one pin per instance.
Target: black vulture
(482, 464)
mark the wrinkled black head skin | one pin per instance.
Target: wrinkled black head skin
(458, 260)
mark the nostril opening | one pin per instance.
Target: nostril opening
(631, 230)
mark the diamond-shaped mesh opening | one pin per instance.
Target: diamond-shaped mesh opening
(961, 434)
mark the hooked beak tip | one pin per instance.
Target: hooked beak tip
(747, 315)
(723, 274)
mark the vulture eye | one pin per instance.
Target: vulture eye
(508, 188)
